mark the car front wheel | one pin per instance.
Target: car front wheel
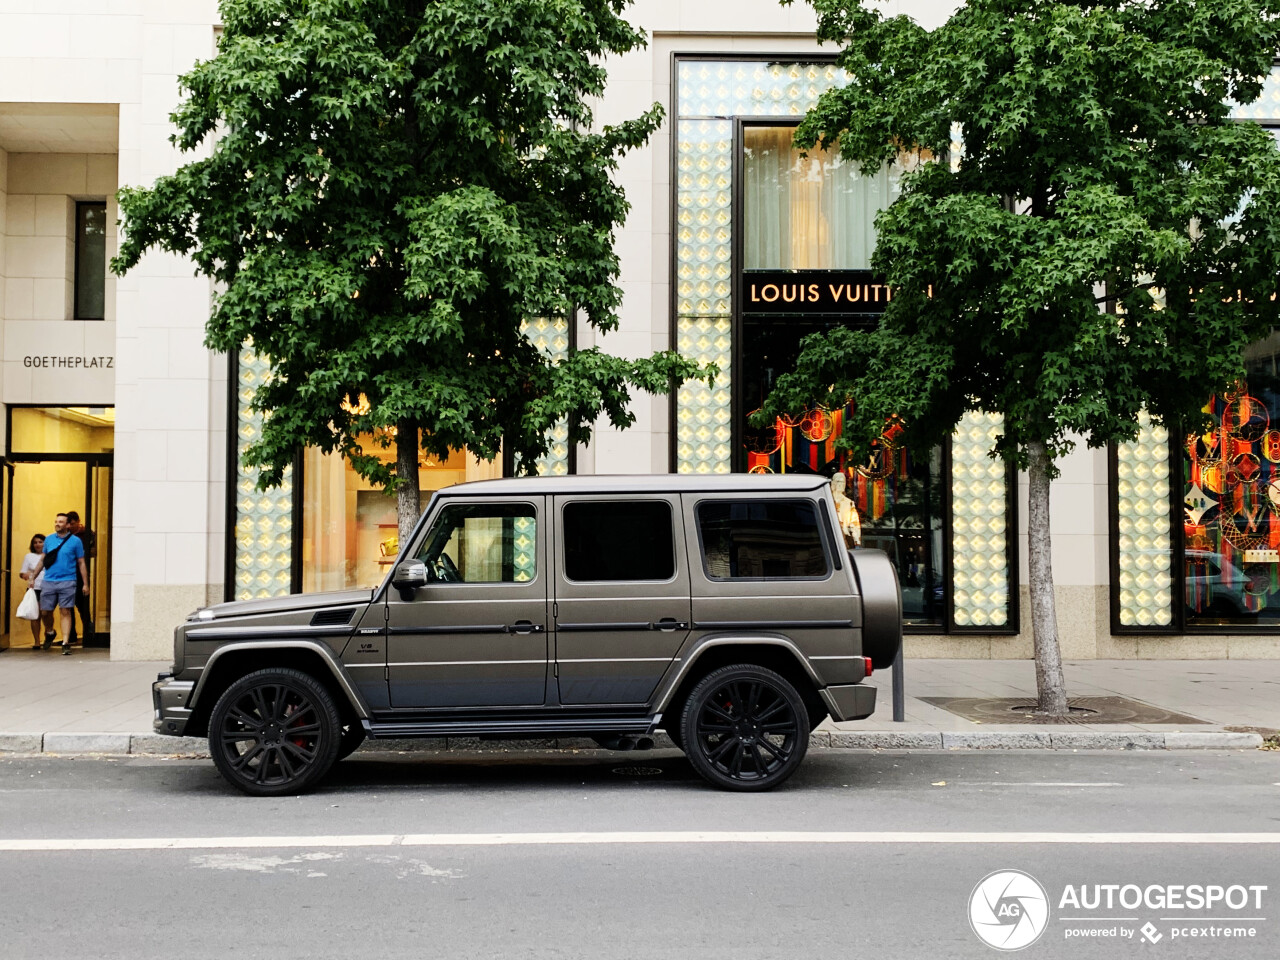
(274, 732)
(745, 727)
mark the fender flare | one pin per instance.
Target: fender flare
(354, 699)
(702, 645)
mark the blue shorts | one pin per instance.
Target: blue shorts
(57, 593)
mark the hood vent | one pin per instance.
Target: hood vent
(333, 617)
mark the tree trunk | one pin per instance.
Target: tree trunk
(1051, 687)
(408, 500)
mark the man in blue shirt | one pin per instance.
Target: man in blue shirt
(60, 576)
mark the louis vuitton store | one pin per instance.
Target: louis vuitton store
(772, 245)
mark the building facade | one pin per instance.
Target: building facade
(736, 246)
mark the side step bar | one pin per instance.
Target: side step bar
(543, 726)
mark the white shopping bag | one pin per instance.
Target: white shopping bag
(29, 608)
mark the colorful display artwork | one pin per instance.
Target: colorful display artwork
(1232, 509)
(807, 444)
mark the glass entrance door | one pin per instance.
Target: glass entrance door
(61, 460)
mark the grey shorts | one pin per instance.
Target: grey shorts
(58, 593)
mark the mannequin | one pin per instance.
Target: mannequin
(846, 512)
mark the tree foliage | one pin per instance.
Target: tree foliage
(1100, 168)
(383, 190)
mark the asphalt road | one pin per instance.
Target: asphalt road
(430, 856)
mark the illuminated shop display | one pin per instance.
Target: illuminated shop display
(349, 528)
(1144, 545)
(710, 94)
(1231, 487)
(979, 524)
(1228, 478)
(704, 161)
(888, 502)
(1267, 106)
(552, 338)
(263, 535)
(808, 212)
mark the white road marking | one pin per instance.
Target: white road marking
(620, 837)
(1033, 783)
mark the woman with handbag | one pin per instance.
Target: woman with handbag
(29, 566)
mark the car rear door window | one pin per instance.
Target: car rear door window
(612, 540)
(761, 540)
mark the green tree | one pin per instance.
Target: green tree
(383, 190)
(1107, 242)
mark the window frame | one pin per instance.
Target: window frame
(562, 539)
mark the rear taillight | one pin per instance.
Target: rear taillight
(867, 664)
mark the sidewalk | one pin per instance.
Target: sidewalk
(50, 702)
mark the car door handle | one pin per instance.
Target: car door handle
(668, 624)
(525, 626)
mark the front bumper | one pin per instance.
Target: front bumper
(850, 701)
(170, 698)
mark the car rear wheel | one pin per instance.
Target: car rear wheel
(744, 727)
(274, 732)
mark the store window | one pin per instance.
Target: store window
(91, 260)
(815, 212)
(1207, 559)
(349, 526)
(618, 541)
(1217, 566)
(1231, 494)
(807, 210)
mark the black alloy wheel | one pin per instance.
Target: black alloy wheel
(274, 732)
(745, 727)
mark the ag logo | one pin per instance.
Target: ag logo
(1008, 910)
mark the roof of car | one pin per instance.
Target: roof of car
(641, 483)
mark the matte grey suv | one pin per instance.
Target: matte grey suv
(723, 610)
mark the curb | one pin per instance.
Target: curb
(156, 745)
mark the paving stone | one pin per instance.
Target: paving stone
(987, 740)
(1211, 740)
(155, 744)
(20, 742)
(878, 740)
(60, 742)
(1098, 740)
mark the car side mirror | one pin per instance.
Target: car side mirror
(409, 576)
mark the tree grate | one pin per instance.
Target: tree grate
(1084, 710)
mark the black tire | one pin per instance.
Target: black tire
(274, 732)
(349, 739)
(744, 727)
